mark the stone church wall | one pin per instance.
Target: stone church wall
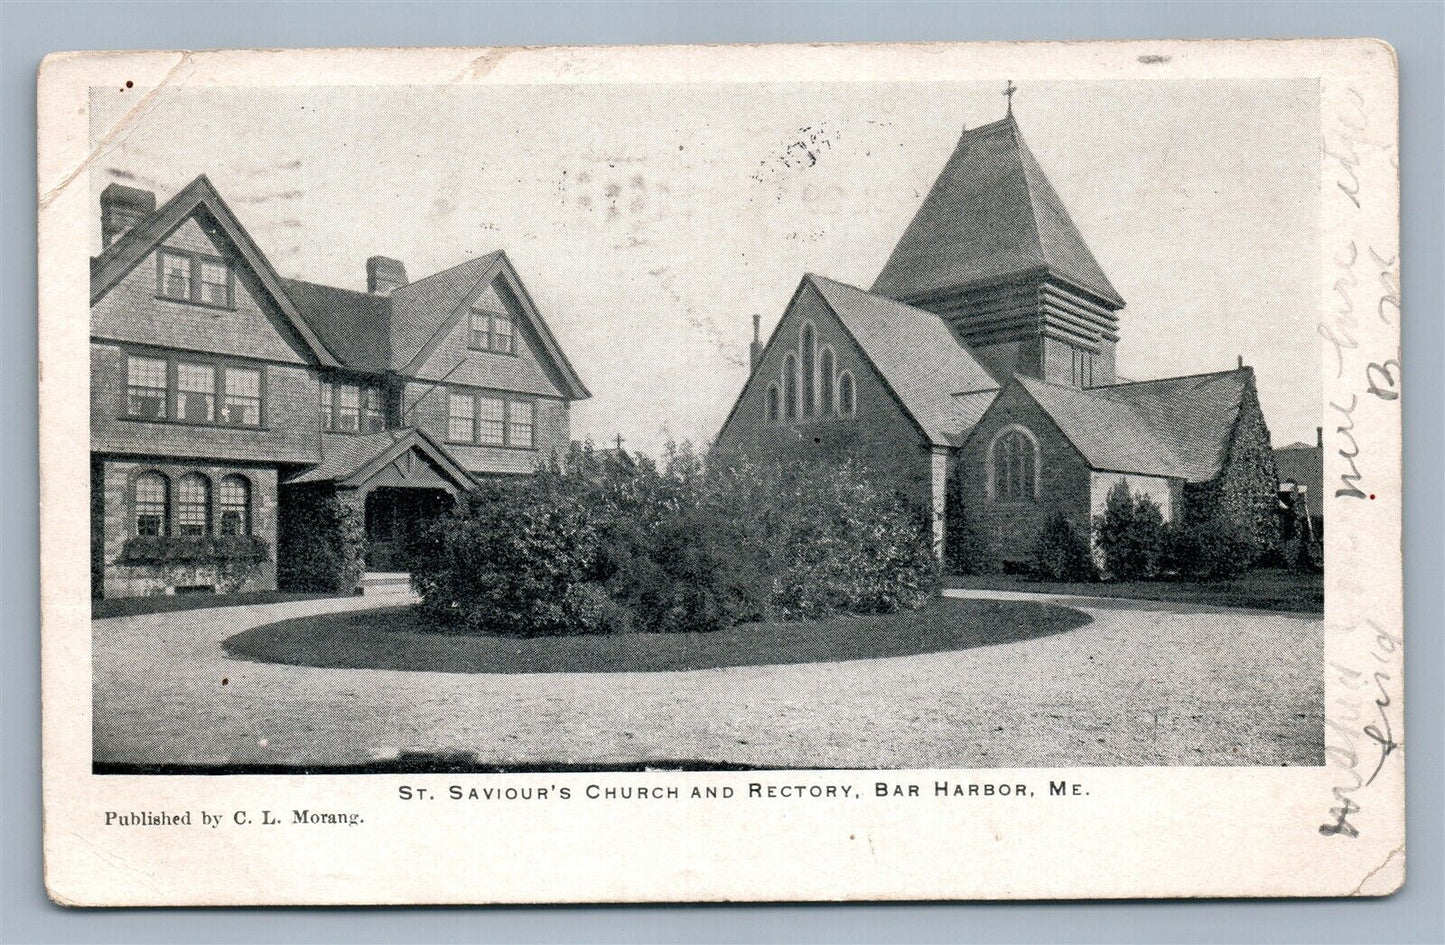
(1007, 530)
(880, 436)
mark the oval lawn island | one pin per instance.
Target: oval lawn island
(397, 638)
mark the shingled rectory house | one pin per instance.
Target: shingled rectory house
(226, 399)
(982, 358)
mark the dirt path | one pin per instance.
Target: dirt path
(1147, 685)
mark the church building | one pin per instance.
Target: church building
(979, 369)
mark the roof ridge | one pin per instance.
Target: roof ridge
(1177, 377)
(448, 270)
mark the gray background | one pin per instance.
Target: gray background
(30, 30)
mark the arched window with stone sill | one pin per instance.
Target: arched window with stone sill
(1013, 465)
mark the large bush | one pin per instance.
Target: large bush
(605, 543)
(1129, 534)
(1061, 551)
(321, 541)
(1208, 549)
(965, 550)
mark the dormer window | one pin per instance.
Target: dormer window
(491, 331)
(185, 276)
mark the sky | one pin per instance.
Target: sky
(650, 222)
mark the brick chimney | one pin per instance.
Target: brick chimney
(121, 208)
(384, 274)
(1319, 437)
(755, 350)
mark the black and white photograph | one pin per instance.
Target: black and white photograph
(475, 437)
(944, 433)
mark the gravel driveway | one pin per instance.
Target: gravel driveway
(1143, 684)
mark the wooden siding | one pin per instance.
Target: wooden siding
(291, 418)
(131, 311)
(523, 371)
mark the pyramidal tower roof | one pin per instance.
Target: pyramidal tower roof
(991, 214)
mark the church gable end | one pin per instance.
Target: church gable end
(858, 418)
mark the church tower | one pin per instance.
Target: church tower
(994, 253)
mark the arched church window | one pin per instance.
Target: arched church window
(809, 355)
(825, 383)
(790, 386)
(847, 405)
(773, 398)
(1013, 465)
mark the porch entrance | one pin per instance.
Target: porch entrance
(396, 518)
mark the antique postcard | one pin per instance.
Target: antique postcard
(936, 471)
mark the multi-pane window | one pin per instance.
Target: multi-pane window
(491, 331)
(373, 407)
(150, 504)
(846, 395)
(1015, 464)
(461, 413)
(502, 333)
(196, 392)
(773, 398)
(480, 330)
(348, 408)
(352, 408)
(235, 502)
(175, 275)
(215, 283)
(146, 387)
(195, 277)
(193, 505)
(159, 388)
(519, 423)
(491, 420)
(243, 397)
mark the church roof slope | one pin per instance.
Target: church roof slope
(1175, 426)
(991, 213)
(916, 353)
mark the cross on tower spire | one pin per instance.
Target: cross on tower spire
(1008, 92)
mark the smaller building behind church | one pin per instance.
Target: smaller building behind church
(981, 365)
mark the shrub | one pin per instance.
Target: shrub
(1061, 551)
(1208, 549)
(322, 541)
(1129, 534)
(964, 549)
(515, 560)
(602, 543)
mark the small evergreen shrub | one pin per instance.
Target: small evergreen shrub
(1129, 534)
(1061, 551)
(322, 541)
(965, 550)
